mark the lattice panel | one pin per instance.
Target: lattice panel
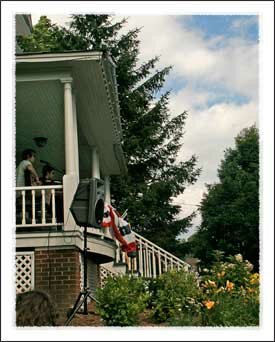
(104, 274)
(24, 271)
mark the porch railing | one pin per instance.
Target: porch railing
(151, 259)
(31, 209)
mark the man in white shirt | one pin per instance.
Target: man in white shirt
(26, 167)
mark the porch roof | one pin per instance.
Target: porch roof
(40, 107)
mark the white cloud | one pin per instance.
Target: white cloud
(208, 132)
(234, 65)
(211, 131)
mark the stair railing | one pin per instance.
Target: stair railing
(151, 259)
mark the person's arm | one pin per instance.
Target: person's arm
(33, 172)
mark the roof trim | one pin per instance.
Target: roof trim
(55, 57)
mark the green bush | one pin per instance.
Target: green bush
(174, 293)
(225, 295)
(232, 311)
(183, 319)
(230, 294)
(234, 270)
(121, 300)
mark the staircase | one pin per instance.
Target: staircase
(150, 262)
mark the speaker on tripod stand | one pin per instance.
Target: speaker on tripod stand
(87, 209)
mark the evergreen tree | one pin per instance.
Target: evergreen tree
(230, 209)
(152, 138)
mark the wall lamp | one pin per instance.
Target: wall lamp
(40, 141)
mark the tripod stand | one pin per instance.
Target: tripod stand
(85, 292)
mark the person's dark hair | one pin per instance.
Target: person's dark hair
(28, 153)
(35, 308)
(46, 169)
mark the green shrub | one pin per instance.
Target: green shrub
(183, 319)
(225, 295)
(230, 294)
(234, 270)
(174, 293)
(232, 310)
(121, 300)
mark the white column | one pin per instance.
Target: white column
(107, 190)
(154, 263)
(95, 163)
(140, 257)
(76, 152)
(69, 127)
(107, 199)
(70, 179)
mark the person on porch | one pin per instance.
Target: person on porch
(26, 174)
(48, 174)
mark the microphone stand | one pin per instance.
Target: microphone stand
(62, 172)
(85, 292)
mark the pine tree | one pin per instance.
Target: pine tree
(152, 139)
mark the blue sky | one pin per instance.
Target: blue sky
(226, 25)
(210, 26)
(220, 30)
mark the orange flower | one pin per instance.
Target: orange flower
(221, 274)
(229, 285)
(209, 304)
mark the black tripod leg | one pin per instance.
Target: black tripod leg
(76, 302)
(93, 298)
(85, 310)
(77, 306)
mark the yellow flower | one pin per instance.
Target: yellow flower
(248, 265)
(249, 290)
(209, 304)
(212, 283)
(229, 285)
(239, 257)
(254, 278)
(243, 292)
(221, 289)
(221, 274)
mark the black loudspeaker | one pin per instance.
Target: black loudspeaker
(87, 206)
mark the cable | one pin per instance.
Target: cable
(63, 232)
(187, 204)
(49, 261)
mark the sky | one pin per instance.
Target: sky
(215, 78)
